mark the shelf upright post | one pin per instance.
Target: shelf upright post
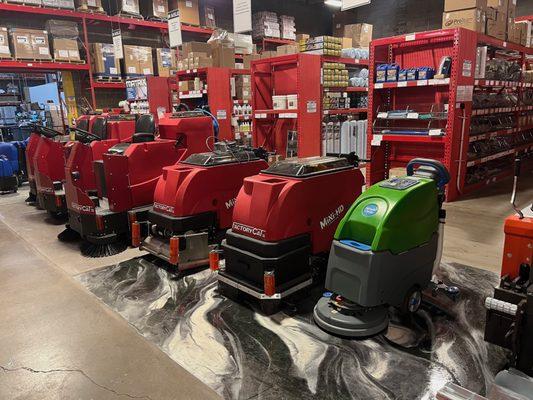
(89, 61)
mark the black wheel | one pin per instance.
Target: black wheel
(412, 300)
(269, 307)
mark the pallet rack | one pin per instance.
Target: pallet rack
(87, 19)
(217, 94)
(299, 74)
(451, 146)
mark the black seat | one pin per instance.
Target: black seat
(100, 128)
(83, 124)
(144, 129)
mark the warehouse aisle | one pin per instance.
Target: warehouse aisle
(58, 341)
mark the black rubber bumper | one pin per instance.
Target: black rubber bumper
(247, 259)
(179, 225)
(113, 225)
(51, 202)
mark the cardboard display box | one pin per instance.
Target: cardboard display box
(65, 49)
(138, 60)
(361, 34)
(223, 56)
(473, 19)
(497, 27)
(166, 62)
(5, 52)
(103, 59)
(154, 9)
(455, 5)
(189, 11)
(201, 47)
(30, 44)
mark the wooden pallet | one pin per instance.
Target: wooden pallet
(78, 62)
(24, 3)
(6, 58)
(38, 60)
(128, 15)
(107, 79)
(156, 19)
(99, 10)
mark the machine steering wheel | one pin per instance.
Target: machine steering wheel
(86, 134)
(434, 165)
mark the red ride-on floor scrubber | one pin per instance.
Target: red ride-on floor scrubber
(193, 203)
(283, 225)
(106, 132)
(126, 178)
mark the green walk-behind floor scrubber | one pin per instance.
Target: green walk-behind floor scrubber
(385, 251)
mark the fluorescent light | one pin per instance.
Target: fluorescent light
(334, 3)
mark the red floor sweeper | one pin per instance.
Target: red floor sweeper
(283, 225)
(193, 203)
(126, 177)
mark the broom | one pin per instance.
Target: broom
(94, 250)
(68, 235)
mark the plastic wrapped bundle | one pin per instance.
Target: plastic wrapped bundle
(62, 29)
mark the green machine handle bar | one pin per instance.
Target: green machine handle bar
(437, 166)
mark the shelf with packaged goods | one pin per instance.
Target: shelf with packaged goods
(19, 65)
(264, 114)
(109, 85)
(340, 111)
(501, 132)
(417, 83)
(346, 61)
(428, 49)
(349, 89)
(485, 159)
(192, 94)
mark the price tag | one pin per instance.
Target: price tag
(117, 43)
(383, 115)
(402, 84)
(410, 38)
(311, 107)
(378, 85)
(412, 115)
(435, 132)
(376, 140)
(222, 114)
(423, 82)
(174, 28)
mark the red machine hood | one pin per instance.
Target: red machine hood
(184, 189)
(49, 162)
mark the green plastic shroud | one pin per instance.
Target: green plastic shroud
(392, 219)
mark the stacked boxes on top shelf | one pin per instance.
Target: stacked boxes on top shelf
(322, 45)
(138, 60)
(287, 27)
(266, 25)
(30, 44)
(64, 38)
(105, 65)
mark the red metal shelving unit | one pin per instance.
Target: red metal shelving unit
(217, 94)
(426, 49)
(298, 74)
(87, 19)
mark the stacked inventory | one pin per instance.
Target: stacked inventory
(65, 36)
(287, 27)
(322, 45)
(266, 25)
(474, 114)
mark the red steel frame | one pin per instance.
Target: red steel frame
(218, 94)
(85, 18)
(426, 49)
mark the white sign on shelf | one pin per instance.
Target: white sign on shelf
(222, 114)
(174, 28)
(348, 4)
(117, 43)
(242, 16)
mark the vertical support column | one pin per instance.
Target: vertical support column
(89, 61)
(310, 112)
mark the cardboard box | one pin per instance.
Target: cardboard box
(103, 59)
(361, 34)
(138, 60)
(124, 7)
(346, 43)
(30, 44)
(499, 5)
(302, 37)
(287, 49)
(189, 11)
(185, 86)
(473, 19)
(65, 49)
(201, 47)
(165, 61)
(89, 4)
(517, 33)
(223, 56)
(497, 28)
(209, 19)
(455, 5)
(511, 8)
(491, 13)
(157, 9)
(248, 58)
(268, 54)
(4, 43)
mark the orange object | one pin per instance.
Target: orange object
(99, 222)
(518, 246)
(58, 201)
(269, 283)
(214, 260)
(174, 255)
(135, 234)
(132, 217)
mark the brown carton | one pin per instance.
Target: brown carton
(511, 8)
(89, 4)
(103, 59)
(499, 5)
(165, 61)
(138, 60)
(223, 56)
(361, 34)
(185, 86)
(4, 43)
(268, 54)
(30, 44)
(154, 9)
(473, 19)
(65, 49)
(287, 49)
(455, 5)
(209, 19)
(201, 47)
(302, 37)
(497, 27)
(189, 12)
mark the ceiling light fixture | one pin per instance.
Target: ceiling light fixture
(333, 3)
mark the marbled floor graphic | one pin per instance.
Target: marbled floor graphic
(243, 355)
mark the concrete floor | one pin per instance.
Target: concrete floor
(59, 342)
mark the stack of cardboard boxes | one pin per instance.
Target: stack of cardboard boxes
(154, 9)
(138, 60)
(104, 62)
(189, 11)
(30, 44)
(354, 35)
(64, 37)
(166, 62)
(216, 53)
(492, 17)
(5, 52)
(243, 87)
